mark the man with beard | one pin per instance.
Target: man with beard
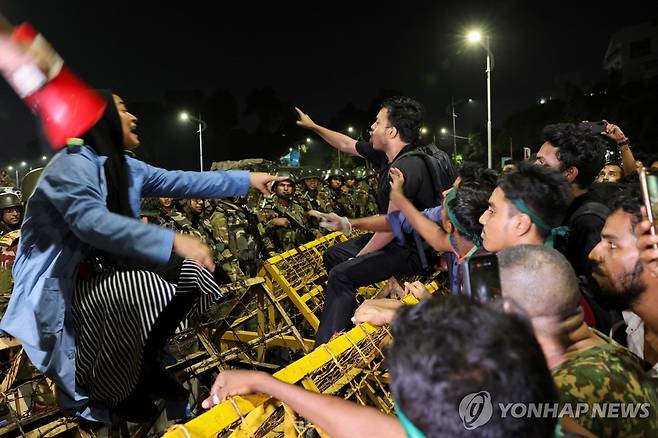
(620, 272)
(11, 209)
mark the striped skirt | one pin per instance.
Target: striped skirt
(114, 313)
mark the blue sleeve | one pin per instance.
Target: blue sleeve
(180, 184)
(73, 186)
(401, 226)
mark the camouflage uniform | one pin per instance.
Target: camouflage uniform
(8, 245)
(365, 202)
(311, 199)
(608, 373)
(4, 228)
(232, 229)
(341, 203)
(281, 239)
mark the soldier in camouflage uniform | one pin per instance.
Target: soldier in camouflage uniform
(11, 209)
(232, 227)
(11, 212)
(195, 221)
(166, 210)
(365, 202)
(340, 203)
(8, 245)
(350, 180)
(283, 222)
(372, 179)
(309, 193)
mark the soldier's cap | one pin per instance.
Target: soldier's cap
(9, 200)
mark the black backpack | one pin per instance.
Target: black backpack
(443, 174)
(439, 166)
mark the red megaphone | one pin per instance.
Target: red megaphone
(66, 105)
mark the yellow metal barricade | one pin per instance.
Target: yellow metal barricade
(349, 366)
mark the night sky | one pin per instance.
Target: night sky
(319, 55)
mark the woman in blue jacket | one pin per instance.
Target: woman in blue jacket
(96, 291)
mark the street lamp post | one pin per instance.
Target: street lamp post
(454, 128)
(184, 116)
(476, 37)
(452, 114)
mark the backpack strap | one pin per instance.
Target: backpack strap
(592, 208)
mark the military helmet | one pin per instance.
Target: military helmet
(9, 200)
(334, 172)
(287, 174)
(29, 182)
(150, 207)
(302, 174)
(310, 173)
(359, 173)
(371, 172)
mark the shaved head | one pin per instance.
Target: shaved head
(541, 281)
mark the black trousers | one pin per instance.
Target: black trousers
(346, 274)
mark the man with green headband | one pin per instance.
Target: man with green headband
(527, 207)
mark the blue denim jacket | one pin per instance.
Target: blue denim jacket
(66, 217)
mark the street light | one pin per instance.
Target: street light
(423, 130)
(185, 117)
(308, 139)
(23, 164)
(44, 158)
(475, 37)
(350, 129)
(444, 131)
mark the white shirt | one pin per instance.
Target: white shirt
(635, 337)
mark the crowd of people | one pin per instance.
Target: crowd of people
(109, 254)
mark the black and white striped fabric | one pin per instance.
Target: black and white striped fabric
(113, 313)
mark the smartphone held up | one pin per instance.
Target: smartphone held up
(649, 187)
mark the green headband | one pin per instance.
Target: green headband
(553, 231)
(452, 194)
(409, 428)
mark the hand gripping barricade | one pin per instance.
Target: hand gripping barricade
(349, 366)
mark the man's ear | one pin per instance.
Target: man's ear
(571, 173)
(394, 132)
(449, 227)
(522, 224)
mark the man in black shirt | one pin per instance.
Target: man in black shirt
(579, 155)
(371, 258)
